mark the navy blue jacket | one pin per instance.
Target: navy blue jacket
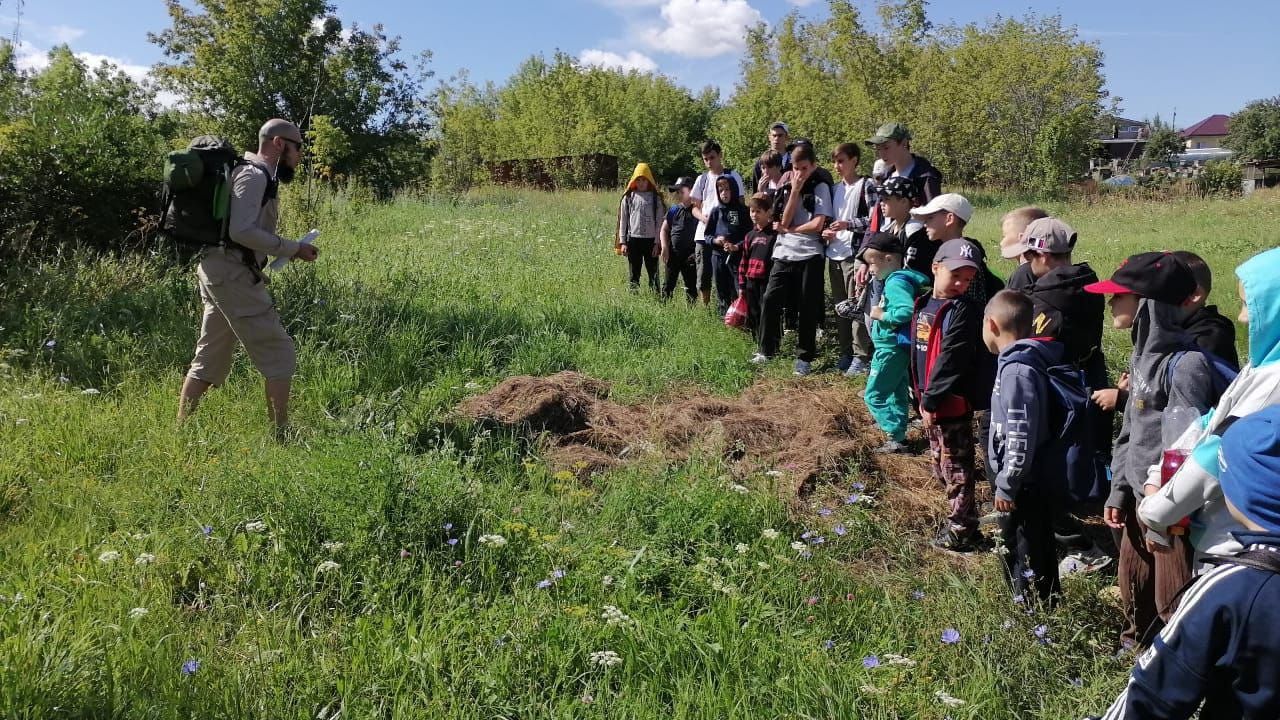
(1221, 648)
(1020, 403)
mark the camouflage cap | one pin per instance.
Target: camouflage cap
(890, 131)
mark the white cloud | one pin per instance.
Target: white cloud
(801, 3)
(63, 34)
(29, 57)
(702, 28)
(610, 60)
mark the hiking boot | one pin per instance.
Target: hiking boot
(1084, 562)
(759, 359)
(802, 368)
(891, 447)
(960, 541)
(857, 366)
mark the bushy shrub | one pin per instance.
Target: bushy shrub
(1220, 177)
(82, 153)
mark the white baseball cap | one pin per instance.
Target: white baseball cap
(953, 203)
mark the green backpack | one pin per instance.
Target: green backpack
(197, 193)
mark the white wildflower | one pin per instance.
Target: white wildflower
(742, 548)
(774, 473)
(109, 556)
(332, 546)
(606, 658)
(799, 546)
(327, 566)
(21, 421)
(347, 317)
(472, 386)
(607, 581)
(137, 612)
(91, 391)
(31, 396)
(740, 489)
(494, 541)
(770, 534)
(899, 660)
(872, 690)
(947, 700)
(762, 565)
(144, 559)
(255, 526)
(614, 617)
(566, 526)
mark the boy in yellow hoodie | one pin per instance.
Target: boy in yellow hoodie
(640, 216)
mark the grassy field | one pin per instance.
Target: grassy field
(154, 572)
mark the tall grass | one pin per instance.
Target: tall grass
(320, 577)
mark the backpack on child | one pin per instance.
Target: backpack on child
(1082, 476)
(1221, 372)
(196, 197)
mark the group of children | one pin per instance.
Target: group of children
(1015, 371)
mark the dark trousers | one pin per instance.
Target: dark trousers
(724, 267)
(753, 290)
(951, 449)
(1027, 546)
(640, 252)
(681, 266)
(1148, 581)
(802, 282)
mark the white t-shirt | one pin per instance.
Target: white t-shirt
(802, 246)
(845, 201)
(704, 189)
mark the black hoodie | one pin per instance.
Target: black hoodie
(1214, 333)
(1065, 312)
(731, 220)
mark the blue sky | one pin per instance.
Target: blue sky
(1195, 58)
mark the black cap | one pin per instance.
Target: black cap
(681, 182)
(1160, 276)
(898, 186)
(884, 242)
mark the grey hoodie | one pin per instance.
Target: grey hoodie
(1155, 398)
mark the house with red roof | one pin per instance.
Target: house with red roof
(1208, 133)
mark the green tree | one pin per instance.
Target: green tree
(82, 149)
(239, 62)
(1164, 143)
(1254, 132)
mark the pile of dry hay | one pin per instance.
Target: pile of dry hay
(814, 430)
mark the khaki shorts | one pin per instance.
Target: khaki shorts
(237, 309)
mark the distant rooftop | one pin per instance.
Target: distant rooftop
(1212, 126)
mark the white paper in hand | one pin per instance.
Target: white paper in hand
(307, 239)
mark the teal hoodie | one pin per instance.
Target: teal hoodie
(1194, 490)
(897, 303)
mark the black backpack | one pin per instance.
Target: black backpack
(197, 196)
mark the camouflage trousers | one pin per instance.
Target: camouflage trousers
(951, 447)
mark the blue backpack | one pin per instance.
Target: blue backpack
(1083, 477)
(1221, 371)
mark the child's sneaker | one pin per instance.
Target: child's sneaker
(857, 366)
(844, 362)
(890, 447)
(960, 541)
(760, 359)
(802, 368)
(1084, 562)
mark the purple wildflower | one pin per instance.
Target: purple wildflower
(852, 499)
(806, 555)
(858, 487)
(190, 667)
(1019, 598)
(807, 534)
(950, 636)
(557, 573)
(1029, 574)
(206, 530)
(870, 661)
(817, 540)
(917, 595)
(825, 512)
(840, 530)
(1077, 682)
(544, 584)
(452, 541)
(828, 644)
(447, 526)
(1041, 631)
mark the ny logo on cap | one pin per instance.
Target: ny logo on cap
(966, 251)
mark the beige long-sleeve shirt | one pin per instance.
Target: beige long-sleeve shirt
(253, 222)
